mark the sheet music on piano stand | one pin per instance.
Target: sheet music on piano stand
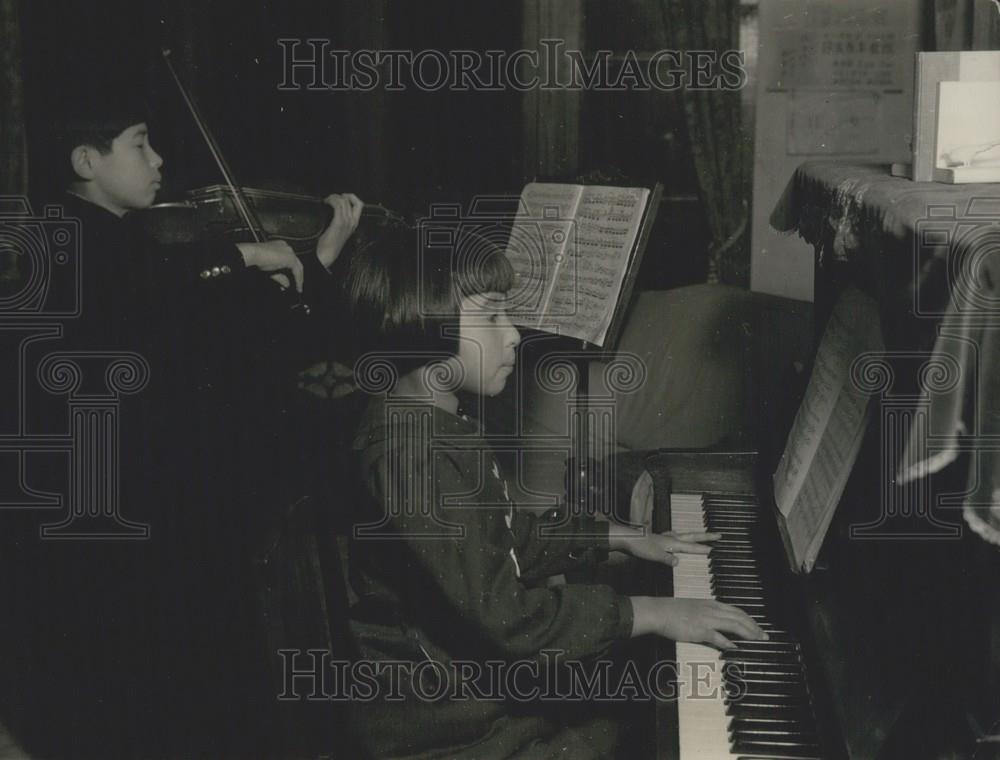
(826, 436)
(576, 252)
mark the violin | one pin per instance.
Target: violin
(213, 213)
(241, 214)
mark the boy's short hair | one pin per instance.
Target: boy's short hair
(93, 114)
(405, 300)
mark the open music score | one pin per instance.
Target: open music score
(826, 436)
(575, 250)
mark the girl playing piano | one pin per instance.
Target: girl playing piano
(455, 632)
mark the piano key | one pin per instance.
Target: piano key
(776, 721)
(769, 708)
(760, 706)
(779, 748)
(762, 668)
(737, 658)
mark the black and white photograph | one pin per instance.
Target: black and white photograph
(500, 380)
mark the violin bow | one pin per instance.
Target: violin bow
(245, 209)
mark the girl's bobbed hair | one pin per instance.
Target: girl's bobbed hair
(405, 291)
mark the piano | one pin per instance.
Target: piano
(880, 652)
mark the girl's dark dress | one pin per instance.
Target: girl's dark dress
(449, 571)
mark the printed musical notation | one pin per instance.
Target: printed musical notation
(826, 435)
(586, 239)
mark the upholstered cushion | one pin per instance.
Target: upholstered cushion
(696, 344)
(718, 371)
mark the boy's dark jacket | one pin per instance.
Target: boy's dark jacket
(128, 636)
(221, 341)
(442, 576)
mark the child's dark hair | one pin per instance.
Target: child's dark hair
(405, 299)
(87, 114)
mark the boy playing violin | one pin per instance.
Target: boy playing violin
(143, 648)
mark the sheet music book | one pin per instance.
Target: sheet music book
(825, 438)
(576, 250)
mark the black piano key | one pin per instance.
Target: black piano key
(744, 564)
(741, 599)
(759, 668)
(779, 678)
(736, 589)
(743, 660)
(801, 738)
(738, 522)
(738, 657)
(767, 645)
(779, 700)
(735, 574)
(743, 602)
(776, 658)
(746, 705)
(769, 689)
(778, 722)
(795, 693)
(751, 689)
(740, 595)
(779, 748)
(736, 592)
(730, 552)
(759, 709)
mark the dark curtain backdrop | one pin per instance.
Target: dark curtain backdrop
(13, 155)
(13, 148)
(403, 149)
(721, 148)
